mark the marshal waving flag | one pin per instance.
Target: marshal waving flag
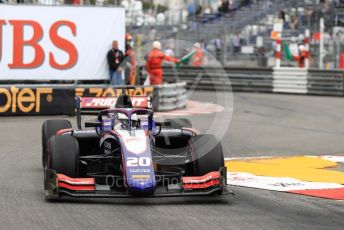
(187, 58)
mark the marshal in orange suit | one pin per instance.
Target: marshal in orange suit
(154, 63)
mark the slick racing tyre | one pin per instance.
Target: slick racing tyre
(210, 161)
(49, 129)
(63, 155)
(178, 123)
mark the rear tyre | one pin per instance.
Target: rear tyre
(49, 129)
(178, 123)
(209, 161)
(63, 155)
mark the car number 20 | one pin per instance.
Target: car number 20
(138, 161)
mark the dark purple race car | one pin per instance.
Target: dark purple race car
(124, 152)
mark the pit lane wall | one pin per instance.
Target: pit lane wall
(19, 100)
(265, 80)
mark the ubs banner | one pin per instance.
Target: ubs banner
(55, 101)
(57, 42)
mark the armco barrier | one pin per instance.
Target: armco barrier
(325, 82)
(51, 99)
(26, 98)
(290, 80)
(210, 78)
(171, 96)
(277, 80)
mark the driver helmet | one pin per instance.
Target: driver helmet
(122, 121)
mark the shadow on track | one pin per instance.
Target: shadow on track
(216, 200)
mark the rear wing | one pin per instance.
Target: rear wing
(93, 105)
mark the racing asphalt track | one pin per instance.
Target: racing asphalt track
(263, 124)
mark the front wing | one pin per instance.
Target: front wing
(59, 185)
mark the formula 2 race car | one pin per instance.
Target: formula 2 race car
(123, 152)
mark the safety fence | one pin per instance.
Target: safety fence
(269, 80)
(171, 96)
(60, 99)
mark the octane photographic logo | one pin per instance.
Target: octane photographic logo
(207, 74)
(119, 182)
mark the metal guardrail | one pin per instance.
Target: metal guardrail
(210, 78)
(290, 80)
(281, 80)
(44, 96)
(322, 82)
(171, 96)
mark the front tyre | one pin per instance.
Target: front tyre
(63, 155)
(63, 158)
(49, 129)
(206, 160)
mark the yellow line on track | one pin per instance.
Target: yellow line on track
(304, 168)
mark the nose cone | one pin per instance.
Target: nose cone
(141, 185)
